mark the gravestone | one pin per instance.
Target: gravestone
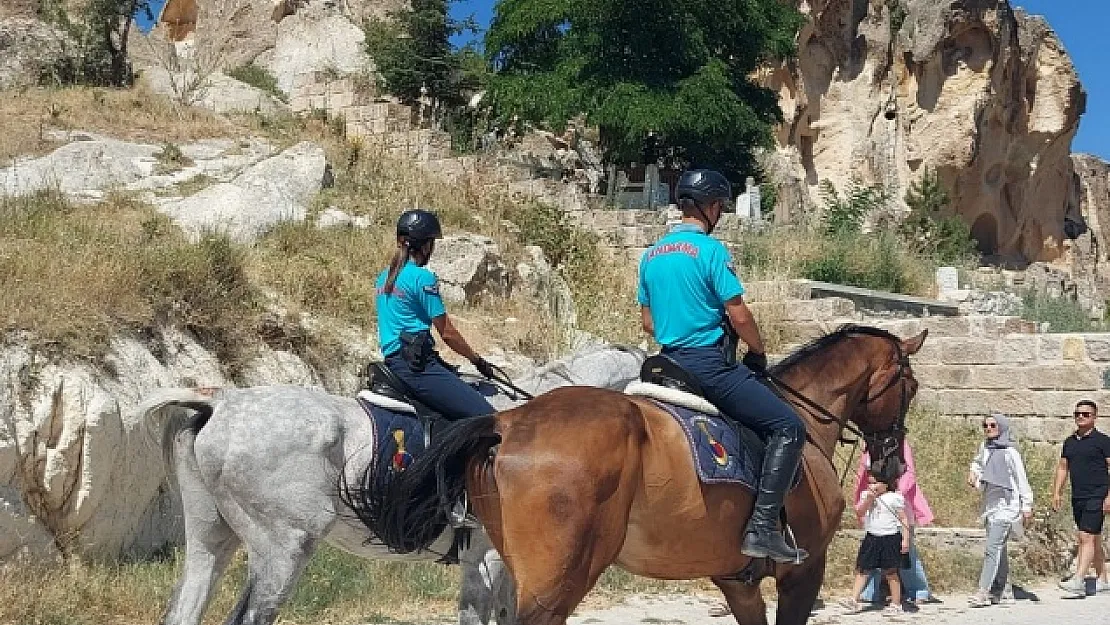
(948, 280)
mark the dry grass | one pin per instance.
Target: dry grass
(76, 276)
(129, 114)
(336, 588)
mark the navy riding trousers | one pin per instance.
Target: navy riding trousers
(735, 391)
(440, 389)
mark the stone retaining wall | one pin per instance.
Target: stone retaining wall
(1036, 378)
(381, 123)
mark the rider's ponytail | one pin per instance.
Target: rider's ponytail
(399, 260)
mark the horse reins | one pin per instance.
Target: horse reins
(503, 379)
(778, 386)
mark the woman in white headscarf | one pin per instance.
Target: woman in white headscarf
(999, 473)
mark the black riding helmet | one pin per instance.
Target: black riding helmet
(703, 186)
(418, 225)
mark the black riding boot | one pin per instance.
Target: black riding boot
(780, 462)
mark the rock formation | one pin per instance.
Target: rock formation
(1092, 188)
(29, 51)
(984, 94)
(288, 37)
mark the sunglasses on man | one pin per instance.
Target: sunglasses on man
(1083, 413)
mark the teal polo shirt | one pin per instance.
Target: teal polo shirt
(685, 279)
(411, 307)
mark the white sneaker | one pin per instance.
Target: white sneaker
(1102, 587)
(1074, 588)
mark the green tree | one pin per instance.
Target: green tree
(681, 69)
(412, 49)
(101, 31)
(929, 229)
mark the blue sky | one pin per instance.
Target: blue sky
(1081, 24)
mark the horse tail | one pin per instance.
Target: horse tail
(409, 510)
(156, 411)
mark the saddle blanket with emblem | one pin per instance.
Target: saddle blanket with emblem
(398, 438)
(721, 454)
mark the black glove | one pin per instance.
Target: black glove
(756, 362)
(483, 367)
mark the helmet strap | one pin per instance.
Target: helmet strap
(710, 225)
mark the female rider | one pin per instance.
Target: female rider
(409, 304)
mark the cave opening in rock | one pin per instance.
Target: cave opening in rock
(985, 232)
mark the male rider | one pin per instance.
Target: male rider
(688, 291)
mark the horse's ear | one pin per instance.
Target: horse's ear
(912, 345)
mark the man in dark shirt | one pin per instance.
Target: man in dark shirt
(1086, 460)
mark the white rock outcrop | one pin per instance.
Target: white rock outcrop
(88, 165)
(80, 471)
(82, 167)
(277, 189)
(977, 90)
(315, 40)
(75, 463)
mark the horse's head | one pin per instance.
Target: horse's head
(891, 386)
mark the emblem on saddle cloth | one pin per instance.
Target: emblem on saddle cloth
(398, 438)
(723, 454)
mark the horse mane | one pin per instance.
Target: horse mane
(820, 343)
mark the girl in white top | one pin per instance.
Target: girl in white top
(999, 473)
(883, 510)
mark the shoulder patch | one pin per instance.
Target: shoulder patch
(432, 289)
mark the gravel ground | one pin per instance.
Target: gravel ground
(1042, 605)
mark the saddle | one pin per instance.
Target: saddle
(398, 415)
(724, 450)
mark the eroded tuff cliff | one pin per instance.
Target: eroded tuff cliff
(983, 93)
(1092, 191)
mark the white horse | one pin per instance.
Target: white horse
(261, 467)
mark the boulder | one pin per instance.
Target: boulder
(30, 51)
(979, 91)
(82, 168)
(277, 189)
(469, 266)
(88, 165)
(76, 464)
(332, 217)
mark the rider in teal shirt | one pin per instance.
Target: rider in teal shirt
(692, 302)
(692, 277)
(409, 305)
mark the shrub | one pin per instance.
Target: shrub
(845, 214)
(928, 230)
(874, 261)
(1062, 314)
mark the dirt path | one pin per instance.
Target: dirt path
(1044, 606)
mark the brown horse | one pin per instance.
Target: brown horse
(581, 478)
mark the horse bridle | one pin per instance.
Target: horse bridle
(880, 440)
